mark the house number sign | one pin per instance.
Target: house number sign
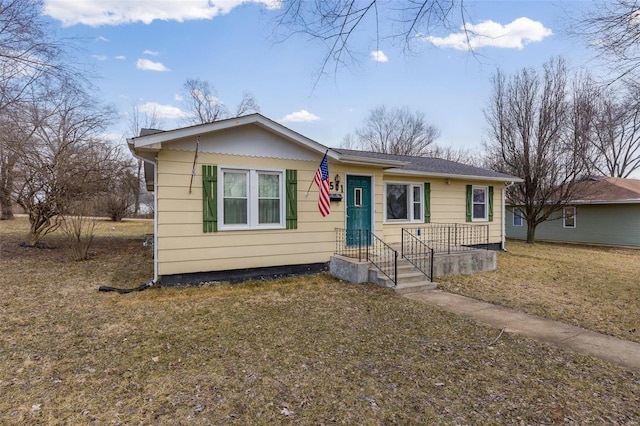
(335, 185)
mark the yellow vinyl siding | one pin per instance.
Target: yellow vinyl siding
(183, 247)
(448, 205)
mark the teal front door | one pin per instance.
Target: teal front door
(358, 210)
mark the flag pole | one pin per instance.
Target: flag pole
(312, 180)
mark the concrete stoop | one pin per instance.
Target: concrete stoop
(410, 279)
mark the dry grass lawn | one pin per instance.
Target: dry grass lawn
(594, 287)
(309, 350)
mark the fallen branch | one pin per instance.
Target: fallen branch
(496, 339)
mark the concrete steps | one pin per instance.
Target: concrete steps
(409, 280)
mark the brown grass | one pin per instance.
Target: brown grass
(594, 287)
(307, 350)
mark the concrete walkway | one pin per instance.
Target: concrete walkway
(564, 336)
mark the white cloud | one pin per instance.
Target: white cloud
(151, 53)
(102, 38)
(379, 56)
(121, 57)
(162, 111)
(299, 117)
(178, 97)
(147, 65)
(515, 35)
(95, 13)
(101, 57)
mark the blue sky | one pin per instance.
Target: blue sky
(143, 51)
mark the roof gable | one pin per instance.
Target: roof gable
(271, 139)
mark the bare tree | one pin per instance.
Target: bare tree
(612, 27)
(124, 188)
(616, 134)
(28, 54)
(398, 131)
(336, 22)
(205, 106)
(459, 155)
(532, 137)
(247, 104)
(64, 162)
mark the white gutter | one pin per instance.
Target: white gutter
(509, 179)
(503, 230)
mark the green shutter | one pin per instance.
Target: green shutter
(469, 202)
(292, 199)
(490, 203)
(209, 198)
(427, 202)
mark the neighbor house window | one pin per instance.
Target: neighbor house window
(517, 217)
(480, 199)
(404, 202)
(251, 198)
(569, 217)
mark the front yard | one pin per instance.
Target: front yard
(309, 350)
(597, 288)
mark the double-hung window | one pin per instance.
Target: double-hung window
(251, 198)
(517, 217)
(404, 202)
(480, 199)
(569, 217)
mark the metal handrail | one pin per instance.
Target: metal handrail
(452, 237)
(417, 253)
(365, 245)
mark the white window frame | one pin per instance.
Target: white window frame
(410, 202)
(252, 198)
(485, 218)
(565, 215)
(517, 214)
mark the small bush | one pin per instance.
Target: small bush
(79, 231)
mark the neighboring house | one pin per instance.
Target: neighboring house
(245, 208)
(607, 211)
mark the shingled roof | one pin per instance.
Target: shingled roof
(431, 166)
(608, 190)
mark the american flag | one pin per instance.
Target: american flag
(322, 180)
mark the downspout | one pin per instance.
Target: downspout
(503, 230)
(155, 220)
(152, 283)
(155, 213)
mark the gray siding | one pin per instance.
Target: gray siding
(613, 224)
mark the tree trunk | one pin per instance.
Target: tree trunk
(6, 187)
(6, 206)
(531, 232)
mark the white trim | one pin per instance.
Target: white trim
(573, 216)
(252, 198)
(451, 176)
(410, 202)
(156, 140)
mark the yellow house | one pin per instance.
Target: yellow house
(236, 199)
